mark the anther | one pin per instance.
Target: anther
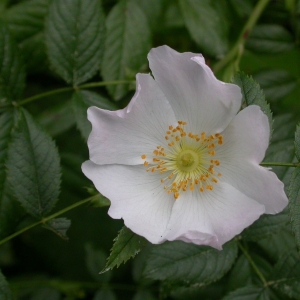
(143, 156)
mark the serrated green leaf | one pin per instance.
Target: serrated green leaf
(26, 19)
(206, 25)
(33, 167)
(286, 275)
(297, 142)
(81, 101)
(253, 95)
(10, 210)
(275, 83)
(270, 39)
(276, 245)
(12, 71)
(74, 38)
(265, 226)
(59, 226)
(248, 293)
(126, 245)
(126, 46)
(294, 204)
(189, 263)
(4, 289)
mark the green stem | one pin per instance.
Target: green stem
(256, 13)
(68, 89)
(252, 263)
(44, 95)
(279, 164)
(46, 219)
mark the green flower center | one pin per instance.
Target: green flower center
(187, 162)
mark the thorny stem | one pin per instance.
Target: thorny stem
(235, 50)
(254, 266)
(47, 219)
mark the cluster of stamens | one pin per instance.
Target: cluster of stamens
(187, 163)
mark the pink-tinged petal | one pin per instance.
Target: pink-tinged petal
(246, 138)
(257, 183)
(136, 196)
(213, 217)
(122, 136)
(195, 94)
(245, 143)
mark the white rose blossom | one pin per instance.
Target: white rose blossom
(181, 161)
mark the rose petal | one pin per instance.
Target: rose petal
(195, 94)
(122, 136)
(212, 217)
(245, 143)
(136, 196)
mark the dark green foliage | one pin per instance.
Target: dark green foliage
(294, 205)
(10, 211)
(270, 39)
(206, 25)
(59, 226)
(248, 293)
(286, 275)
(188, 263)
(74, 53)
(64, 43)
(81, 101)
(33, 167)
(12, 74)
(126, 45)
(4, 289)
(297, 142)
(276, 84)
(252, 94)
(126, 245)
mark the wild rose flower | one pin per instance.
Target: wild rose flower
(180, 162)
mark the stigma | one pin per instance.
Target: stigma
(187, 164)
